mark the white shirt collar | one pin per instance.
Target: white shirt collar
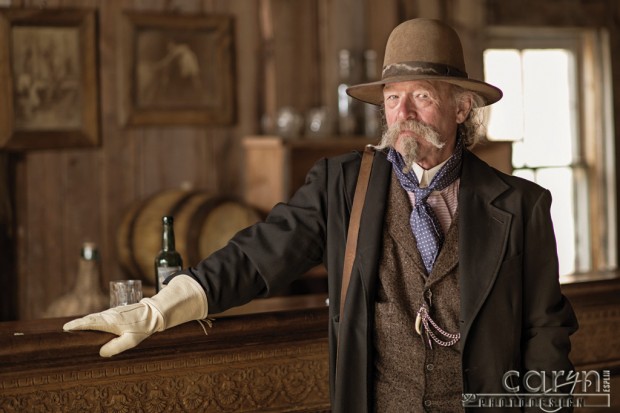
(426, 176)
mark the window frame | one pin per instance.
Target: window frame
(594, 135)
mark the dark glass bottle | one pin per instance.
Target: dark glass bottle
(168, 260)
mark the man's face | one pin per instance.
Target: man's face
(430, 135)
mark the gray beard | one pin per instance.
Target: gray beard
(410, 146)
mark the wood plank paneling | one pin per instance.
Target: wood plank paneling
(551, 13)
(118, 172)
(381, 17)
(41, 228)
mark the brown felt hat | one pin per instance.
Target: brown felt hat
(423, 49)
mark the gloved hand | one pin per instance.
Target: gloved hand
(182, 300)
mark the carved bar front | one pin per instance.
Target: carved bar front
(273, 361)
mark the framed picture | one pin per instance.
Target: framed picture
(177, 70)
(48, 79)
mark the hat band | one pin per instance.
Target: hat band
(421, 68)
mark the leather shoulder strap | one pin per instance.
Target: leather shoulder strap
(354, 222)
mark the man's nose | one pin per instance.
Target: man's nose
(407, 109)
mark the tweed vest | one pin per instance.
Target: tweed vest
(409, 375)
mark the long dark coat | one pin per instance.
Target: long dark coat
(513, 315)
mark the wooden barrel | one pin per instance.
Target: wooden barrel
(203, 223)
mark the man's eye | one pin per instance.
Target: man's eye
(391, 100)
(423, 99)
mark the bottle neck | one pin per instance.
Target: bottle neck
(167, 240)
(88, 275)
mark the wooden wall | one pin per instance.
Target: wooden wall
(285, 52)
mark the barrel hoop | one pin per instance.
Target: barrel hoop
(202, 211)
(181, 202)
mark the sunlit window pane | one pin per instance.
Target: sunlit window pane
(547, 106)
(519, 154)
(537, 106)
(502, 68)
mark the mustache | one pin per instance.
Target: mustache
(410, 147)
(426, 132)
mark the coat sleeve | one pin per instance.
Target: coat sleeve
(548, 317)
(269, 254)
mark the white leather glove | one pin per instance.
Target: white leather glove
(182, 300)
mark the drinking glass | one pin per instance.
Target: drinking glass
(124, 292)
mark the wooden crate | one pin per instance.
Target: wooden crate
(275, 167)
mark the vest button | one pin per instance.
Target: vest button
(427, 403)
(430, 367)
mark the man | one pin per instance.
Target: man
(455, 280)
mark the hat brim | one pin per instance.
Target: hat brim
(373, 92)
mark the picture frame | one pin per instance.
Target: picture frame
(48, 79)
(177, 70)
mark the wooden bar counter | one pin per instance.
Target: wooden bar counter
(270, 355)
(269, 361)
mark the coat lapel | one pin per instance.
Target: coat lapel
(483, 235)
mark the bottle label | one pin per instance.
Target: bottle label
(163, 273)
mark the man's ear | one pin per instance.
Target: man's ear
(463, 107)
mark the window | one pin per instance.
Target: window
(556, 111)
